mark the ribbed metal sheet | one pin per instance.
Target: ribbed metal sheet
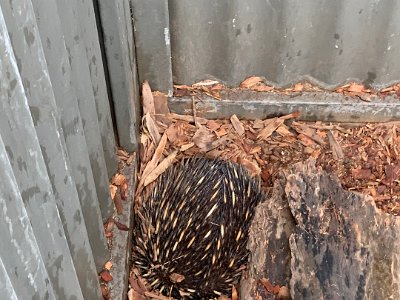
(285, 41)
(57, 150)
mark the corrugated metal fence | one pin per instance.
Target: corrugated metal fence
(57, 146)
(285, 41)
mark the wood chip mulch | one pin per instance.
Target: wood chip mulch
(364, 157)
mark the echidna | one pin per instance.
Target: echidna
(191, 234)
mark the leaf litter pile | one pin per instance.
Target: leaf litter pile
(364, 157)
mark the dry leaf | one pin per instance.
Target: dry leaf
(124, 191)
(186, 147)
(308, 131)
(152, 128)
(156, 296)
(298, 87)
(213, 125)
(160, 168)
(121, 226)
(221, 132)
(118, 204)
(113, 191)
(148, 100)
(122, 154)
(251, 81)
(267, 285)
(361, 173)
(186, 118)
(258, 124)
(118, 180)
(355, 88)
(262, 88)
(156, 157)
(108, 265)
(203, 137)
(251, 166)
(160, 103)
(206, 82)
(283, 293)
(106, 276)
(270, 127)
(237, 125)
(255, 149)
(234, 293)
(337, 151)
(283, 130)
(133, 295)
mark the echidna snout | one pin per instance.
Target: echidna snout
(192, 240)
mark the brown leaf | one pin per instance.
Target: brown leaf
(203, 137)
(118, 204)
(152, 128)
(160, 168)
(176, 278)
(308, 131)
(122, 154)
(267, 285)
(108, 265)
(104, 292)
(186, 118)
(251, 81)
(283, 130)
(206, 82)
(148, 100)
(160, 103)
(186, 147)
(121, 226)
(283, 293)
(213, 125)
(298, 87)
(337, 151)
(234, 293)
(156, 296)
(356, 88)
(156, 157)
(124, 191)
(113, 190)
(237, 125)
(271, 126)
(251, 166)
(262, 88)
(133, 295)
(106, 276)
(361, 173)
(258, 124)
(118, 179)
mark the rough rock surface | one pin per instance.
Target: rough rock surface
(322, 241)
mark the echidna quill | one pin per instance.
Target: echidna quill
(190, 240)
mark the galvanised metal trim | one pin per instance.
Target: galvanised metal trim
(327, 107)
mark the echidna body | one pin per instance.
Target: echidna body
(191, 234)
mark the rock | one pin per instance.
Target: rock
(341, 246)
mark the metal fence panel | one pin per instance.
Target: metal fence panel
(58, 151)
(116, 24)
(6, 288)
(90, 38)
(61, 78)
(328, 42)
(82, 82)
(21, 264)
(23, 149)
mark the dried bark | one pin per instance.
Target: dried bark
(322, 241)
